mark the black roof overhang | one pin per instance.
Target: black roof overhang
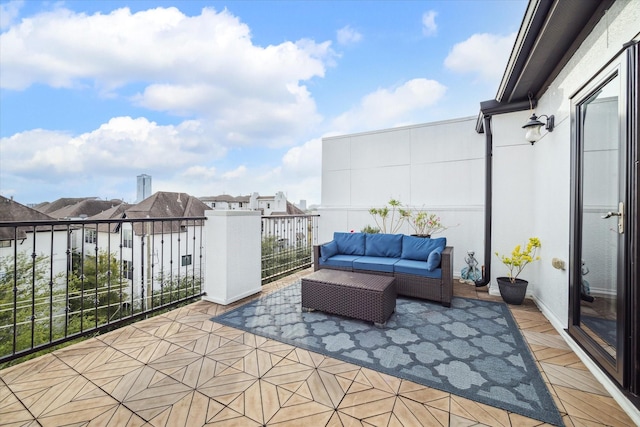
(550, 33)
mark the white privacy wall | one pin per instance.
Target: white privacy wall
(436, 166)
(531, 191)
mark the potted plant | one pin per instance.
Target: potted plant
(513, 289)
(394, 213)
(425, 224)
(370, 229)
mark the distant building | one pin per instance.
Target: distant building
(227, 202)
(268, 205)
(83, 209)
(144, 187)
(63, 202)
(23, 240)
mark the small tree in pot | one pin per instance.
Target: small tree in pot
(513, 289)
(426, 224)
(390, 218)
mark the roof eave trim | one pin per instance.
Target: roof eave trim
(521, 40)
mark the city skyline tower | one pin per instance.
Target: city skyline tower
(144, 187)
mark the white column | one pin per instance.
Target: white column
(232, 255)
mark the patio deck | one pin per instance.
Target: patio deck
(181, 369)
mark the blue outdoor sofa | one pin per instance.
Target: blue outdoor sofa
(422, 267)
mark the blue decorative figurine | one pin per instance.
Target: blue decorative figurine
(470, 273)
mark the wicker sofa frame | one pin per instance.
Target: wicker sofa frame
(440, 290)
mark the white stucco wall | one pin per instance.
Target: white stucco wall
(532, 184)
(436, 166)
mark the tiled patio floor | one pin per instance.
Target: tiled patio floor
(181, 369)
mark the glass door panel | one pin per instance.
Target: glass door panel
(602, 215)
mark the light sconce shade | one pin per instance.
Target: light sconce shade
(534, 125)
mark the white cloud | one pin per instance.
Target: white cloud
(298, 174)
(429, 26)
(391, 107)
(302, 169)
(9, 12)
(207, 64)
(199, 172)
(347, 35)
(304, 160)
(123, 145)
(238, 172)
(483, 54)
(105, 162)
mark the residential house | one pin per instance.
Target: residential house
(268, 205)
(573, 183)
(47, 207)
(24, 241)
(83, 209)
(287, 232)
(226, 202)
(167, 251)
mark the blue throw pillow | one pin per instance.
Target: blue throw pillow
(384, 245)
(328, 250)
(433, 261)
(419, 248)
(349, 243)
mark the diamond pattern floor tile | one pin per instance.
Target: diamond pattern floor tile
(181, 369)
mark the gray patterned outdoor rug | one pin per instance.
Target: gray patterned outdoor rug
(472, 349)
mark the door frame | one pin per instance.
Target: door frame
(624, 368)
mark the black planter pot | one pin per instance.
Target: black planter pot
(512, 293)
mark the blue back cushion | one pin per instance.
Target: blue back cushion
(419, 248)
(349, 243)
(384, 245)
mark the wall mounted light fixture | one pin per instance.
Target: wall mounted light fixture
(534, 125)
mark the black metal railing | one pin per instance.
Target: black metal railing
(61, 280)
(287, 244)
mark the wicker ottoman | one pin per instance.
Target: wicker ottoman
(357, 295)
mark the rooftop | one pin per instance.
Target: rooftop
(180, 368)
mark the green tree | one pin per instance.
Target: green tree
(279, 257)
(170, 288)
(30, 303)
(97, 291)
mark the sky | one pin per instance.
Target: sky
(215, 97)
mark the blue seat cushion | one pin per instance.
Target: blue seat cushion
(349, 243)
(419, 248)
(419, 268)
(377, 263)
(342, 261)
(383, 245)
(328, 250)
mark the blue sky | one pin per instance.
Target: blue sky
(212, 97)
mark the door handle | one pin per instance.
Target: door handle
(610, 214)
(619, 214)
